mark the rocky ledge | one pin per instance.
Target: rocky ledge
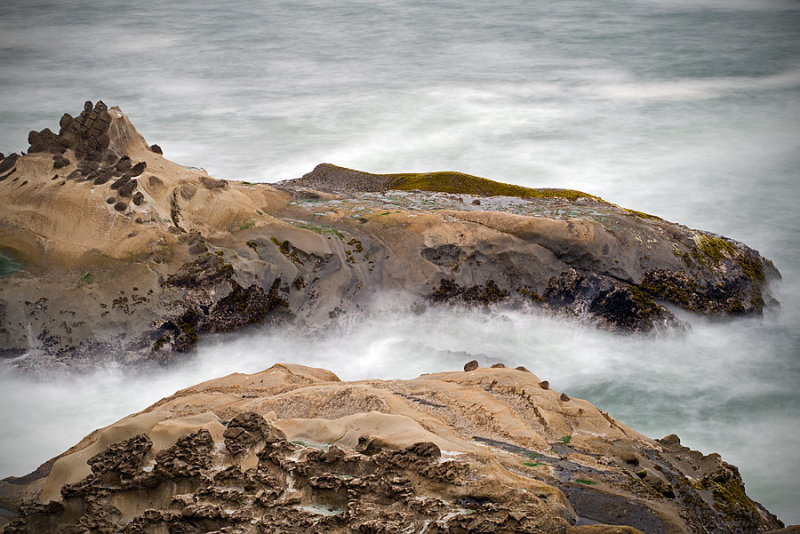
(294, 449)
(108, 249)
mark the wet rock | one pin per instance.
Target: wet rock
(451, 292)
(247, 429)
(615, 304)
(187, 458)
(471, 365)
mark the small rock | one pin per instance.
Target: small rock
(211, 183)
(138, 198)
(124, 164)
(471, 366)
(8, 162)
(110, 200)
(544, 384)
(498, 366)
(670, 441)
(66, 120)
(156, 149)
(60, 161)
(523, 369)
(138, 169)
(476, 202)
(564, 397)
(126, 190)
(124, 179)
(121, 206)
(629, 458)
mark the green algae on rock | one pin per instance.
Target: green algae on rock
(215, 255)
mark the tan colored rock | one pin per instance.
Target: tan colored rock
(441, 452)
(319, 247)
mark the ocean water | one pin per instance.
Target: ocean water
(689, 110)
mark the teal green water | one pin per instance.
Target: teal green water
(685, 109)
(8, 266)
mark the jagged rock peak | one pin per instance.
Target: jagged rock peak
(98, 134)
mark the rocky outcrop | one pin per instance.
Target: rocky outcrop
(124, 253)
(293, 449)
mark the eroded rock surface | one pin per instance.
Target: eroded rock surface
(125, 254)
(293, 449)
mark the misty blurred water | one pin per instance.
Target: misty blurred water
(685, 109)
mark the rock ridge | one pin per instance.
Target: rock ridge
(485, 450)
(114, 251)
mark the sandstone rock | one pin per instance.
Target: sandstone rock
(59, 162)
(119, 182)
(544, 384)
(126, 190)
(211, 183)
(45, 141)
(123, 165)
(410, 470)
(588, 264)
(8, 162)
(138, 169)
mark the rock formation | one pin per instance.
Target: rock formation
(122, 253)
(293, 449)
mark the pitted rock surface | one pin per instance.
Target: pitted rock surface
(313, 251)
(488, 456)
